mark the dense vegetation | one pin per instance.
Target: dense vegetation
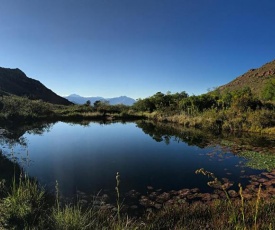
(237, 110)
(22, 109)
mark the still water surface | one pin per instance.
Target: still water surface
(87, 158)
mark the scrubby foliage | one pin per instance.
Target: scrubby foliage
(236, 110)
(268, 92)
(21, 109)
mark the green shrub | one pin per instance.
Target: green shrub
(23, 206)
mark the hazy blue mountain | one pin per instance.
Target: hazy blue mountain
(113, 101)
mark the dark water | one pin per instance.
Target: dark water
(87, 158)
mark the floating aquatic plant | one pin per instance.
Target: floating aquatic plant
(258, 160)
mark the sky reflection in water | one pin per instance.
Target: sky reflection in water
(86, 158)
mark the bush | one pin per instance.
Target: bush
(24, 204)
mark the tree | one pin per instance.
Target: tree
(102, 106)
(96, 104)
(88, 103)
(268, 92)
(144, 105)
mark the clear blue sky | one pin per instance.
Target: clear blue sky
(135, 47)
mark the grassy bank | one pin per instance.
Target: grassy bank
(258, 121)
(26, 205)
(237, 117)
(237, 110)
(21, 109)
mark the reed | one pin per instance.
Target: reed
(69, 217)
(242, 203)
(257, 206)
(118, 196)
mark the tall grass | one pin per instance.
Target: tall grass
(70, 217)
(241, 213)
(24, 204)
(118, 196)
(24, 207)
(260, 120)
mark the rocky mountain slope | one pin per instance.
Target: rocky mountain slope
(14, 81)
(256, 79)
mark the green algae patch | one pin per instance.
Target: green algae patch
(261, 161)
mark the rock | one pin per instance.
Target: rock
(173, 193)
(246, 195)
(232, 193)
(215, 196)
(153, 195)
(83, 202)
(144, 201)
(268, 183)
(270, 176)
(158, 206)
(133, 194)
(255, 183)
(262, 180)
(194, 190)
(169, 203)
(250, 187)
(183, 193)
(192, 196)
(80, 193)
(163, 197)
(264, 195)
(206, 196)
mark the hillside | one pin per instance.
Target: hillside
(256, 79)
(112, 101)
(14, 81)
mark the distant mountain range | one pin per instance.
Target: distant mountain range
(113, 101)
(14, 81)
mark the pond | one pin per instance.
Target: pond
(85, 158)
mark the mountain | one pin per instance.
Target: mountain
(81, 100)
(121, 100)
(14, 81)
(113, 101)
(256, 79)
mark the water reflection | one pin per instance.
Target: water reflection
(196, 137)
(85, 156)
(12, 134)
